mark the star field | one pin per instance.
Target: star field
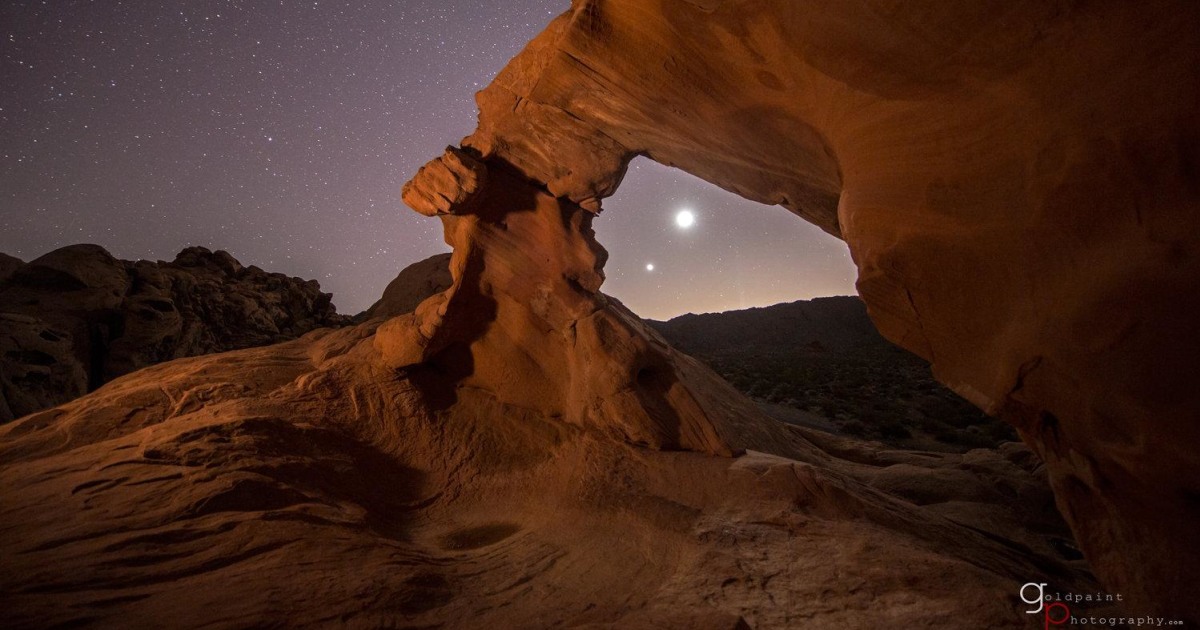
(283, 131)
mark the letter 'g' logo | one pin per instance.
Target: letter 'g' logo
(1055, 614)
(1038, 596)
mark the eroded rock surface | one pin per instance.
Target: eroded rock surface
(412, 286)
(521, 451)
(308, 483)
(1017, 183)
(77, 318)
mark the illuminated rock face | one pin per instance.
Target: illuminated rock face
(1017, 183)
(524, 319)
(520, 451)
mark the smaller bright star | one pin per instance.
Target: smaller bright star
(649, 266)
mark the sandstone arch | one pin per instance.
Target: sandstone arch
(1017, 183)
(522, 452)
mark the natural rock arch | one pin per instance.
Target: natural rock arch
(1022, 213)
(515, 452)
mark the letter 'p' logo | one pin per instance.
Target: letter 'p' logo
(1055, 614)
(1051, 621)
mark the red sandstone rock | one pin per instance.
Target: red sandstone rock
(521, 451)
(447, 185)
(303, 484)
(1016, 183)
(414, 285)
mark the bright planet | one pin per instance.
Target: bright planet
(685, 219)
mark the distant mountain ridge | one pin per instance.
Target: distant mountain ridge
(821, 363)
(836, 323)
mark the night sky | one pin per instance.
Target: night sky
(282, 132)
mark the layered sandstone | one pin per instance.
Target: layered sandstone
(521, 451)
(310, 483)
(1017, 183)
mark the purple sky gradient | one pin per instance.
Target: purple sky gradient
(282, 132)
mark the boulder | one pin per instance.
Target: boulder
(77, 318)
(415, 283)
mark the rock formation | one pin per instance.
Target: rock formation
(307, 483)
(415, 283)
(77, 318)
(521, 451)
(1017, 183)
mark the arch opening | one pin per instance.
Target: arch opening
(735, 253)
(781, 320)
